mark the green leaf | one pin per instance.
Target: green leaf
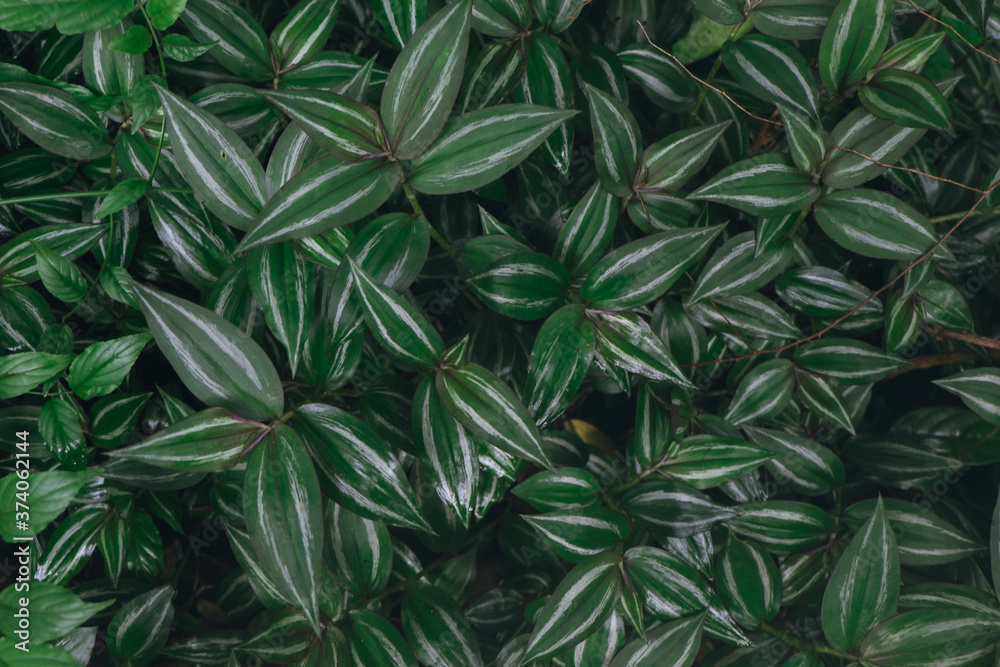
(498, 68)
(135, 41)
(18, 260)
(547, 81)
(578, 534)
(479, 147)
(23, 371)
(490, 409)
(627, 341)
(821, 292)
(922, 537)
(864, 587)
(375, 641)
(449, 452)
(222, 171)
(906, 98)
(59, 425)
(783, 526)
(660, 77)
(738, 268)
(400, 18)
(101, 367)
(979, 389)
(51, 493)
(617, 141)
(242, 46)
(71, 545)
(772, 70)
(54, 119)
(671, 588)
(183, 49)
(164, 13)
(808, 142)
(303, 31)
(578, 606)
(424, 81)
(326, 194)
(638, 272)
(748, 581)
(217, 362)
(768, 185)
(960, 636)
(847, 361)
(792, 19)
(69, 16)
(59, 275)
(823, 398)
(945, 306)
(669, 645)
(396, 325)
(283, 283)
(674, 509)
(875, 224)
(358, 550)
(437, 629)
(880, 142)
(284, 515)
(208, 441)
(558, 365)
(139, 630)
(54, 611)
(586, 234)
(501, 18)
(562, 489)
(342, 127)
(669, 163)
(124, 193)
(704, 461)
(559, 14)
(763, 393)
(912, 53)
(853, 41)
(367, 477)
(525, 286)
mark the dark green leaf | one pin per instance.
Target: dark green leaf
(303, 31)
(437, 629)
(139, 630)
(864, 587)
(525, 286)
(490, 409)
(366, 474)
(423, 83)
(242, 46)
(208, 441)
(342, 127)
(218, 166)
(768, 185)
(638, 272)
(853, 41)
(906, 98)
(617, 141)
(772, 70)
(578, 606)
(54, 119)
(674, 509)
(979, 389)
(558, 364)
(284, 514)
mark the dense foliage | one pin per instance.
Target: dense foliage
(499, 332)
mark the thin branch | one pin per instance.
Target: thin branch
(932, 360)
(972, 339)
(955, 32)
(912, 171)
(864, 302)
(704, 83)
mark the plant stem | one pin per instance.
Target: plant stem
(156, 41)
(411, 194)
